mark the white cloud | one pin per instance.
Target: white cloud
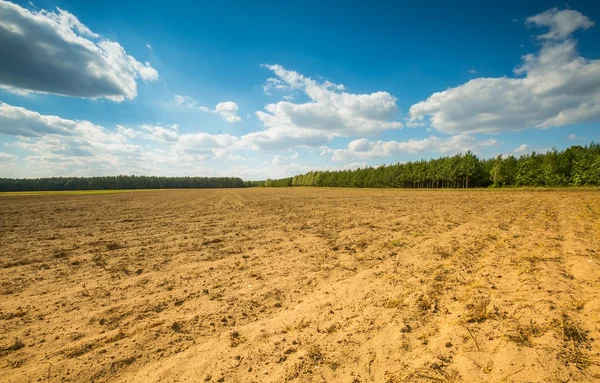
(283, 139)
(364, 149)
(274, 83)
(149, 46)
(522, 149)
(6, 157)
(53, 52)
(227, 110)
(18, 121)
(57, 141)
(161, 134)
(330, 110)
(561, 23)
(283, 160)
(559, 87)
(472, 71)
(330, 113)
(280, 160)
(179, 99)
(573, 136)
(205, 142)
(127, 132)
(58, 146)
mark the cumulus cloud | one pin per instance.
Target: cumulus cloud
(274, 83)
(561, 23)
(330, 110)
(283, 139)
(365, 149)
(557, 87)
(18, 121)
(283, 160)
(53, 137)
(522, 149)
(227, 110)
(127, 132)
(53, 52)
(159, 133)
(58, 146)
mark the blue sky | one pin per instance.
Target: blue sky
(257, 89)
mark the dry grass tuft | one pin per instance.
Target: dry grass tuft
(477, 310)
(575, 343)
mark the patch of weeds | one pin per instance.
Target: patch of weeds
(305, 366)
(315, 354)
(572, 332)
(523, 334)
(575, 342)
(426, 303)
(477, 310)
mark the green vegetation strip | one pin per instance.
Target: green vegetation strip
(575, 166)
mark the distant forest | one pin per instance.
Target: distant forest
(575, 166)
(118, 182)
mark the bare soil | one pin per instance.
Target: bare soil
(301, 285)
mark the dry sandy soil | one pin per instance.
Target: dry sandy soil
(301, 285)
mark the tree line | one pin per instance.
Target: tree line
(575, 166)
(117, 182)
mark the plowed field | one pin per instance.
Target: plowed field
(301, 285)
